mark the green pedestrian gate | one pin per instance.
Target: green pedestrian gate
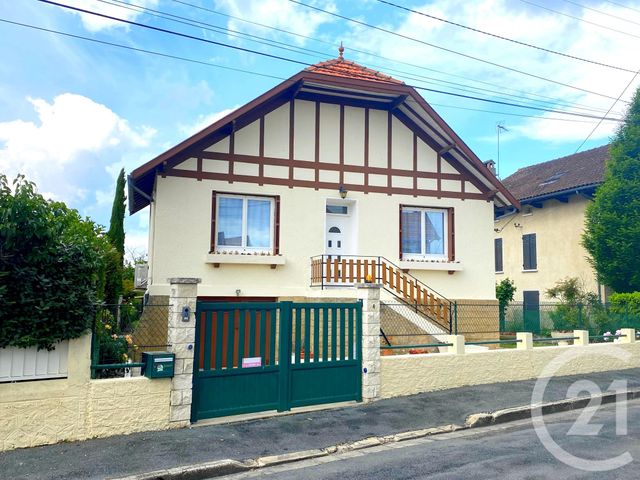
(251, 357)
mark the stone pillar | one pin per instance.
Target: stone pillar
(182, 337)
(629, 335)
(369, 294)
(526, 341)
(582, 339)
(457, 344)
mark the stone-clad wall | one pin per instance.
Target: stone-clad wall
(411, 374)
(77, 408)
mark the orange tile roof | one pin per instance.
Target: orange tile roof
(339, 67)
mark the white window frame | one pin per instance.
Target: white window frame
(445, 227)
(243, 247)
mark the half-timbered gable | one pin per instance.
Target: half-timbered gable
(339, 161)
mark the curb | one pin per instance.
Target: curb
(477, 420)
(520, 413)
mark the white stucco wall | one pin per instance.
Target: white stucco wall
(182, 224)
(558, 228)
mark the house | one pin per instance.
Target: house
(338, 175)
(541, 244)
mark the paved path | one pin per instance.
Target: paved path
(143, 452)
(511, 452)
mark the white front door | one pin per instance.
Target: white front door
(338, 237)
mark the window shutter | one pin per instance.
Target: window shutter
(452, 235)
(529, 254)
(276, 227)
(498, 254)
(400, 232)
(525, 252)
(213, 223)
(533, 259)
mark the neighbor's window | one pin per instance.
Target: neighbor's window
(244, 223)
(424, 232)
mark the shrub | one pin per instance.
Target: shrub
(51, 267)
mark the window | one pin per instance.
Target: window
(244, 223)
(338, 209)
(529, 259)
(497, 244)
(424, 232)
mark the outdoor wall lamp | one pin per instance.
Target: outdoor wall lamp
(343, 192)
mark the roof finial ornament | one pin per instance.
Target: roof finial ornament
(340, 52)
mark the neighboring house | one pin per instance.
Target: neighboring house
(541, 244)
(336, 174)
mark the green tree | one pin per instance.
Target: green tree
(51, 262)
(115, 262)
(612, 225)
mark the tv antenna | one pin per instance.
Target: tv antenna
(499, 127)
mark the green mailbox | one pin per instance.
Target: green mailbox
(158, 364)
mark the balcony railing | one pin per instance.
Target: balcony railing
(329, 271)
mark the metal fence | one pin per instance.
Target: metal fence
(403, 326)
(405, 329)
(120, 334)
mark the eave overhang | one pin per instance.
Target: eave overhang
(401, 99)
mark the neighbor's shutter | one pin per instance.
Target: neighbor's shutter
(533, 258)
(498, 254)
(529, 252)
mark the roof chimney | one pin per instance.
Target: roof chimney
(491, 165)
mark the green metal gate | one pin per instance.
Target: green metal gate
(251, 357)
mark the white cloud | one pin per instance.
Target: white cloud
(203, 121)
(94, 23)
(527, 24)
(67, 151)
(278, 14)
(135, 243)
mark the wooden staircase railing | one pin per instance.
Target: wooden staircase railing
(337, 271)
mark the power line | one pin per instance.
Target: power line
(252, 72)
(612, 105)
(522, 72)
(515, 114)
(140, 50)
(417, 87)
(580, 20)
(623, 6)
(507, 39)
(601, 12)
(393, 60)
(265, 41)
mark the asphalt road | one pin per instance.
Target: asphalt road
(513, 451)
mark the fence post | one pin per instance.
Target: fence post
(580, 315)
(95, 346)
(629, 335)
(369, 294)
(181, 337)
(526, 341)
(455, 317)
(457, 344)
(582, 337)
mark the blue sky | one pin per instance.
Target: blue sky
(74, 112)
